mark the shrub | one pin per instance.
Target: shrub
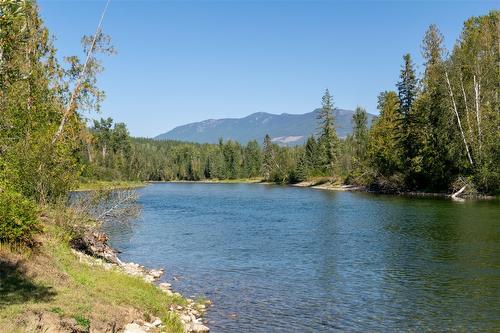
(388, 184)
(467, 183)
(18, 218)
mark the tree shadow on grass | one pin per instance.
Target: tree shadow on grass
(17, 288)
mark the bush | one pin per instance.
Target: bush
(18, 218)
(388, 184)
(467, 183)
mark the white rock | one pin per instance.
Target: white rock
(133, 328)
(185, 318)
(149, 278)
(157, 322)
(197, 328)
(156, 273)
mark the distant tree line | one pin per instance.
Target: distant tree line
(433, 132)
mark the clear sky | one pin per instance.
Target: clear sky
(185, 61)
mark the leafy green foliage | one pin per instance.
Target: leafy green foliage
(82, 321)
(18, 218)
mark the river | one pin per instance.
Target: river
(284, 259)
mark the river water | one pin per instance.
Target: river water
(284, 259)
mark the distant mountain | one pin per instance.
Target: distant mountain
(284, 129)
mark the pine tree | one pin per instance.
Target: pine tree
(253, 159)
(269, 158)
(328, 141)
(360, 132)
(432, 164)
(311, 155)
(407, 86)
(300, 172)
(407, 92)
(385, 146)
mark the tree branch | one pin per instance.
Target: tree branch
(72, 102)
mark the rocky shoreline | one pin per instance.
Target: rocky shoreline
(92, 249)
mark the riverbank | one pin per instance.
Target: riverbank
(256, 180)
(54, 288)
(329, 184)
(332, 186)
(92, 185)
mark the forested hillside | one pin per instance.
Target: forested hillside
(438, 132)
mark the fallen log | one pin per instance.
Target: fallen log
(457, 193)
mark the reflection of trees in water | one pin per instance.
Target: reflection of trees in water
(435, 254)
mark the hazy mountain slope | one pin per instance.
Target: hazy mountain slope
(286, 129)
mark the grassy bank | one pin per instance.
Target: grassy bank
(89, 185)
(219, 181)
(49, 289)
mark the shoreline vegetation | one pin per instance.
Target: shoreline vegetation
(323, 183)
(436, 132)
(93, 185)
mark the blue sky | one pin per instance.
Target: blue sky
(185, 61)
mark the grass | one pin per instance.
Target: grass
(222, 181)
(237, 180)
(51, 283)
(89, 185)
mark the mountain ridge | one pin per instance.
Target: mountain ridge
(284, 128)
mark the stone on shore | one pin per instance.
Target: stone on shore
(134, 328)
(196, 328)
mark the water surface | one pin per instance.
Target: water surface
(284, 259)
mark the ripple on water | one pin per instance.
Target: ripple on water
(281, 259)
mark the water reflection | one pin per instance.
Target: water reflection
(282, 259)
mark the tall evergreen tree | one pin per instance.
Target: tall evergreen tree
(269, 158)
(432, 164)
(328, 141)
(360, 132)
(253, 159)
(385, 146)
(354, 148)
(311, 155)
(407, 86)
(407, 92)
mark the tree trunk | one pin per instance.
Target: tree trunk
(457, 193)
(72, 101)
(477, 91)
(471, 135)
(458, 119)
